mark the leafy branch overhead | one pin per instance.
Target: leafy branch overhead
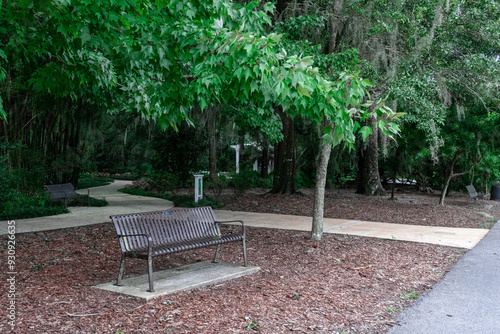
(162, 58)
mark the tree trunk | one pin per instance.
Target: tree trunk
(394, 174)
(449, 176)
(325, 148)
(284, 170)
(368, 172)
(319, 189)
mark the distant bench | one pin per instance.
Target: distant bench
(150, 234)
(63, 192)
(474, 194)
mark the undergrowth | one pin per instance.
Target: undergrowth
(185, 201)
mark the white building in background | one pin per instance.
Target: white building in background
(270, 163)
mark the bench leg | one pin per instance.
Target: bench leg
(120, 272)
(244, 253)
(216, 254)
(150, 274)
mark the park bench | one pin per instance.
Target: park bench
(474, 194)
(150, 234)
(63, 192)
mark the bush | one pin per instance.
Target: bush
(38, 204)
(33, 212)
(165, 181)
(216, 187)
(248, 179)
(94, 202)
(187, 201)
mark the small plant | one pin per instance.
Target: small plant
(410, 294)
(394, 310)
(253, 325)
(486, 225)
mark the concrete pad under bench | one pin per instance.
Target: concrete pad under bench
(182, 278)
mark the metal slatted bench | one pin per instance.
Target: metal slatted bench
(474, 194)
(65, 191)
(150, 234)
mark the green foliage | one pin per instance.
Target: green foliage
(7, 191)
(187, 201)
(218, 185)
(118, 144)
(410, 294)
(20, 206)
(178, 155)
(165, 181)
(88, 180)
(254, 325)
(248, 179)
(178, 200)
(95, 202)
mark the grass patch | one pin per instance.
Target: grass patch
(184, 201)
(88, 181)
(126, 177)
(34, 211)
(91, 202)
(40, 205)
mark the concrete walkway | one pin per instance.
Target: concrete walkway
(466, 300)
(121, 203)
(446, 236)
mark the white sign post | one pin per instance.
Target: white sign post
(198, 187)
(237, 149)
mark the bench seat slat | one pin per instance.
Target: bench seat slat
(181, 246)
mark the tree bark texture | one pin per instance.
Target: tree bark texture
(319, 190)
(284, 152)
(449, 176)
(368, 172)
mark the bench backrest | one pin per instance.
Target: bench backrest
(60, 191)
(165, 227)
(472, 191)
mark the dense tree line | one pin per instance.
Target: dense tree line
(342, 91)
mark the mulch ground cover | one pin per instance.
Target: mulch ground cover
(344, 284)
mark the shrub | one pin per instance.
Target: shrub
(165, 181)
(216, 187)
(95, 202)
(38, 204)
(187, 201)
(248, 179)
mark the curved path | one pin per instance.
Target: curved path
(119, 203)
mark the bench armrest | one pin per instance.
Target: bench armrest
(233, 221)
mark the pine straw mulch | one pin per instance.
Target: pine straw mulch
(343, 284)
